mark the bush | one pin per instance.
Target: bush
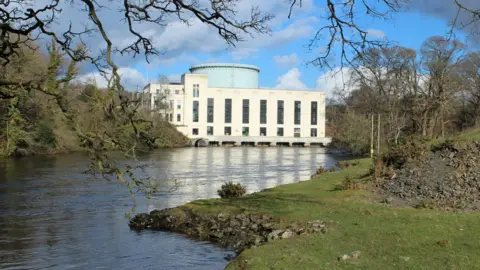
(351, 134)
(343, 164)
(45, 136)
(427, 203)
(321, 170)
(230, 190)
(347, 183)
(333, 169)
(412, 149)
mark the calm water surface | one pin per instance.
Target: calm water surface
(53, 216)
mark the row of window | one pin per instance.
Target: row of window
(167, 92)
(263, 131)
(263, 111)
(169, 117)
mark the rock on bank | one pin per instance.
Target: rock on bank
(238, 231)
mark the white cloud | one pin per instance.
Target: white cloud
(286, 60)
(338, 79)
(131, 78)
(301, 28)
(376, 33)
(291, 80)
(178, 38)
(167, 61)
(243, 53)
(180, 42)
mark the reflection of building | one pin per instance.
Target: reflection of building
(223, 103)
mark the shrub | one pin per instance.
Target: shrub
(343, 164)
(333, 169)
(379, 169)
(450, 145)
(321, 170)
(347, 183)
(427, 203)
(45, 136)
(351, 134)
(230, 190)
(412, 149)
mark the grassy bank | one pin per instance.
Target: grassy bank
(387, 237)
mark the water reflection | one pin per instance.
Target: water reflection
(203, 170)
(54, 216)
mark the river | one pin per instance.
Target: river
(54, 216)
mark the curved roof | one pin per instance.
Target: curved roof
(231, 65)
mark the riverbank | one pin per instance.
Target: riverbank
(362, 232)
(36, 151)
(65, 141)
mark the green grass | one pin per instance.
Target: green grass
(471, 135)
(388, 238)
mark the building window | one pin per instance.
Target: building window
(245, 111)
(195, 111)
(179, 117)
(171, 104)
(296, 132)
(167, 92)
(171, 117)
(280, 131)
(245, 131)
(314, 113)
(158, 91)
(179, 104)
(263, 131)
(177, 92)
(228, 131)
(280, 111)
(196, 90)
(195, 131)
(263, 111)
(228, 110)
(210, 110)
(209, 130)
(297, 112)
(313, 132)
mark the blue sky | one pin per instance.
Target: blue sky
(281, 57)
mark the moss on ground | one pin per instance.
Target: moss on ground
(388, 238)
(473, 134)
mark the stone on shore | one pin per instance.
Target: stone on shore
(239, 231)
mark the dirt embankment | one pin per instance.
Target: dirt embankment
(447, 177)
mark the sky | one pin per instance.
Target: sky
(282, 55)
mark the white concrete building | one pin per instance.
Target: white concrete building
(221, 103)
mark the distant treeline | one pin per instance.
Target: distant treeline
(433, 92)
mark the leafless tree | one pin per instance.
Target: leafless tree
(343, 30)
(440, 60)
(382, 75)
(469, 73)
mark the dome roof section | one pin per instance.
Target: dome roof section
(225, 75)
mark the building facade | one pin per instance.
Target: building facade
(223, 103)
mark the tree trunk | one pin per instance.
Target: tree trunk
(432, 124)
(424, 124)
